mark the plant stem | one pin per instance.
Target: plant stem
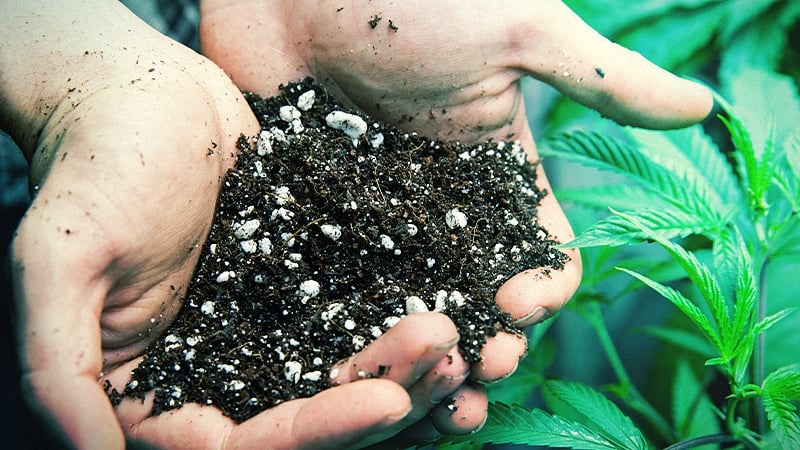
(718, 438)
(631, 395)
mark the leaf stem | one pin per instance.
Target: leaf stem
(629, 394)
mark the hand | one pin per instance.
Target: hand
(129, 136)
(452, 70)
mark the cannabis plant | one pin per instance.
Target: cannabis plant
(738, 209)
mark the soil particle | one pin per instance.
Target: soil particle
(330, 229)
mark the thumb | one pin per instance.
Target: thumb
(621, 84)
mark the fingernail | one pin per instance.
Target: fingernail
(536, 316)
(502, 377)
(391, 419)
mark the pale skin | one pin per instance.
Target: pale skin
(129, 134)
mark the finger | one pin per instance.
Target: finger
(404, 353)
(465, 413)
(335, 418)
(620, 83)
(535, 294)
(501, 355)
(438, 384)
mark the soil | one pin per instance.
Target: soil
(330, 229)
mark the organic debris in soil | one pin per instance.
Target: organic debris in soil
(330, 229)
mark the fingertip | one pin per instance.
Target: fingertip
(618, 82)
(501, 356)
(536, 294)
(465, 413)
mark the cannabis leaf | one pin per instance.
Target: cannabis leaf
(691, 155)
(587, 406)
(692, 410)
(680, 202)
(778, 390)
(515, 424)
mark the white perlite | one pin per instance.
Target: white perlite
(289, 113)
(246, 229)
(312, 376)
(265, 245)
(390, 321)
(386, 242)
(207, 308)
(292, 371)
(350, 124)
(306, 100)
(443, 300)
(455, 218)
(333, 232)
(172, 342)
(223, 277)
(264, 146)
(310, 288)
(415, 304)
(249, 246)
(283, 195)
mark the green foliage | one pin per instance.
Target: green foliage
(723, 215)
(745, 206)
(693, 413)
(778, 390)
(599, 425)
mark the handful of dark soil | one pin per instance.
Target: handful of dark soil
(331, 228)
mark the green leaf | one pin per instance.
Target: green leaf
(691, 342)
(746, 290)
(792, 151)
(785, 380)
(747, 161)
(596, 412)
(779, 388)
(614, 230)
(725, 252)
(773, 319)
(684, 305)
(740, 12)
(703, 280)
(609, 154)
(783, 419)
(691, 155)
(610, 16)
(516, 424)
(789, 185)
(753, 93)
(742, 329)
(695, 27)
(692, 410)
(618, 196)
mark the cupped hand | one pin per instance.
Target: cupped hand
(129, 136)
(452, 70)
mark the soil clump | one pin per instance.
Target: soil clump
(329, 230)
